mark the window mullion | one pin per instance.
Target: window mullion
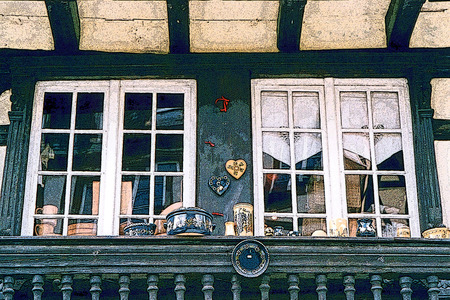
(151, 206)
(293, 160)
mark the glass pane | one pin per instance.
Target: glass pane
(277, 193)
(82, 227)
(312, 226)
(359, 191)
(308, 151)
(274, 109)
(47, 227)
(278, 226)
(169, 151)
(136, 152)
(51, 192)
(354, 110)
(388, 152)
(392, 194)
(363, 227)
(138, 111)
(395, 228)
(87, 152)
(310, 194)
(385, 109)
(306, 109)
(170, 111)
(135, 195)
(356, 151)
(57, 110)
(54, 151)
(89, 111)
(168, 190)
(276, 145)
(84, 195)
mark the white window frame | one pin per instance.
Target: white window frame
(332, 150)
(112, 138)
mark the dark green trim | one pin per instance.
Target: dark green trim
(65, 24)
(290, 18)
(178, 15)
(400, 20)
(441, 130)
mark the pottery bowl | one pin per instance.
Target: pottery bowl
(191, 221)
(138, 229)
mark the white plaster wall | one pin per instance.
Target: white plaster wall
(233, 26)
(432, 28)
(5, 107)
(440, 102)
(25, 25)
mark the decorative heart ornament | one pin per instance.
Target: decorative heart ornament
(219, 184)
(236, 167)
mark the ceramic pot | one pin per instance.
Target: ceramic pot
(138, 229)
(435, 233)
(189, 221)
(365, 228)
(243, 218)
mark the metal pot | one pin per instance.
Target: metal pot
(189, 221)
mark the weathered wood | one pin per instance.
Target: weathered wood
(180, 286)
(405, 284)
(376, 288)
(96, 289)
(264, 287)
(236, 287)
(38, 287)
(349, 287)
(321, 283)
(8, 290)
(152, 286)
(66, 287)
(293, 286)
(208, 288)
(65, 24)
(124, 287)
(290, 19)
(433, 290)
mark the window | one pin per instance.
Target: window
(104, 154)
(327, 150)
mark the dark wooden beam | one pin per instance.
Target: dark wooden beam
(178, 15)
(65, 24)
(400, 20)
(441, 129)
(290, 18)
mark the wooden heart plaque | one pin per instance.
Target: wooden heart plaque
(236, 167)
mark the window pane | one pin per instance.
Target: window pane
(169, 150)
(385, 109)
(367, 227)
(50, 195)
(138, 111)
(57, 110)
(168, 190)
(276, 145)
(306, 109)
(87, 152)
(136, 152)
(388, 152)
(392, 194)
(312, 226)
(354, 110)
(54, 151)
(85, 193)
(89, 111)
(359, 191)
(82, 227)
(310, 194)
(47, 227)
(308, 151)
(356, 151)
(135, 195)
(274, 109)
(277, 193)
(278, 226)
(395, 228)
(170, 111)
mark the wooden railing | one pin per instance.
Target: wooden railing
(201, 268)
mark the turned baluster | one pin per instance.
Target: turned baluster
(180, 288)
(265, 287)
(38, 287)
(8, 288)
(66, 287)
(208, 288)
(376, 288)
(152, 287)
(349, 287)
(124, 287)
(433, 290)
(293, 286)
(95, 290)
(321, 282)
(405, 283)
(236, 287)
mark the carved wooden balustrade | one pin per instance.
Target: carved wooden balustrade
(201, 268)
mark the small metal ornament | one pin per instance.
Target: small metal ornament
(219, 184)
(236, 168)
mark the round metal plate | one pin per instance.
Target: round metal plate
(250, 258)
